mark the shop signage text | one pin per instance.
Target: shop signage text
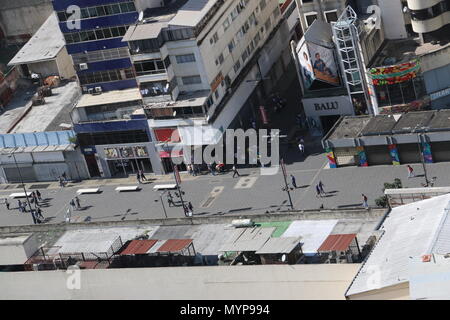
(326, 106)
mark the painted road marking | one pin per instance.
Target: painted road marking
(214, 194)
(246, 183)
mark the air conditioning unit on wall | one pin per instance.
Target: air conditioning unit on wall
(83, 66)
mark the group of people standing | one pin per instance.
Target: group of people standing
(140, 176)
(22, 206)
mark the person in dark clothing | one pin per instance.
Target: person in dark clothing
(7, 204)
(235, 172)
(294, 183)
(142, 175)
(38, 194)
(138, 177)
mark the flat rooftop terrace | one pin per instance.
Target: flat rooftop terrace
(352, 127)
(21, 117)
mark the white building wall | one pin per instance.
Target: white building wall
(392, 18)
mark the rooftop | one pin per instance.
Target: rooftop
(21, 117)
(412, 230)
(352, 127)
(44, 45)
(116, 96)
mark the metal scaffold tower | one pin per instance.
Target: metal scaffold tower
(346, 33)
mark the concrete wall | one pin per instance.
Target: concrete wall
(398, 292)
(23, 17)
(392, 18)
(316, 282)
(65, 65)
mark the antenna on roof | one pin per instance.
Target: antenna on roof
(141, 16)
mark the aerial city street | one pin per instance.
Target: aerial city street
(292, 137)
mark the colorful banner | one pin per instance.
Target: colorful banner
(394, 154)
(362, 157)
(331, 158)
(395, 74)
(427, 155)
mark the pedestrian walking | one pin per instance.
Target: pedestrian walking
(321, 185)
(20, 206)
(189, 168)
(318, 192)
(33, 215)
(410, 172)
(7, 204)
(72, 204)
(235, 172)
(294, 183)
(301, 147)
(143, 177)
(38, 194)
(39, 213)
(77, 201)
(68, 216)
(64, 176)
(138, 177)
(365, 204)
(211, 169)
(61, 181)
(190, 206)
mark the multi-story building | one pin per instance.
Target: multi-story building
(190, 60)
(111, 128)
(324, 10)
(429, 16)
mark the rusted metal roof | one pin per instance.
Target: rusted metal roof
(175, 245)
(138, 247)
(337, 242)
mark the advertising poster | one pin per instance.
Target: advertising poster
(126, 152)
(306, 67)
(323, 64)
(111, 153)
(141, 152)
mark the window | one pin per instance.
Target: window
(231, 45)
(191, 80)
(237, 66)
(310, 18)
(149, 67)
(221, 59)
(185, 58)
(100, 11)
(226, 24)
(105, 76)
(331, 16)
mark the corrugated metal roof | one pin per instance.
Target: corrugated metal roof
(279, 245)
(410, 231)
(175, 245)
(138, 247)
(337, 242)
(247, 239)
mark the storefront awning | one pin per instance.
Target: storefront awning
(171, 154)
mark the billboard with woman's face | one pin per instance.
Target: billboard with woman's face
(306, 67)
(323, 63)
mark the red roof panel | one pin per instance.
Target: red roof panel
(138, 247)
(175, 245)
(337, 242)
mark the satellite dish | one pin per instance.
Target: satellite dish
(141, 16)
(283, 258)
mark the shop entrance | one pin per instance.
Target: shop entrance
(92, 165)
(125, 167)
(328, 122)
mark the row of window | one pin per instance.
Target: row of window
(106, 76)
(149, 67)
(98, 11)
(117, 137)
(233, 15)
(100, 55)
(97, 34)
(429, 13)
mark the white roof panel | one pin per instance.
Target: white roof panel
(313, 233)
(192, 13)
(411, 230)
(44, 45)
(117, 96)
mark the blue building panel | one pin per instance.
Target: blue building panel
(50, 138)
(107, 65)
(101, 22)
(96, 45)
(115, 85)
(60, 5)
(112, 126)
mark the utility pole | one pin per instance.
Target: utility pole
(283, 168)
(422, 159)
